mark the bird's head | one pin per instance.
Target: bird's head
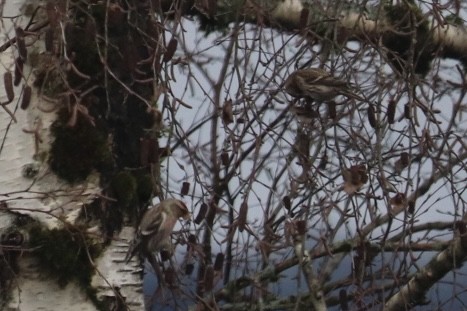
(178, 208)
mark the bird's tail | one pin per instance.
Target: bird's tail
(351, 94)
(135, 247)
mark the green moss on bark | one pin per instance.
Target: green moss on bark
(65, 254)
(77, 150)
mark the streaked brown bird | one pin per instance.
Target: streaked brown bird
(317, 84)
(156, 226)
(354, 178)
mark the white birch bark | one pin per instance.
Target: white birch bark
(51, 202)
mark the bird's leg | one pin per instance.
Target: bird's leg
(161, 285)
(171, 275)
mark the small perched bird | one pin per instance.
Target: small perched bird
(354, 178)
(156, 227)
(317, 84)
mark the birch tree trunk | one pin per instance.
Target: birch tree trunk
(33, 196)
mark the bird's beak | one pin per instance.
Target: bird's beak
(187, 216)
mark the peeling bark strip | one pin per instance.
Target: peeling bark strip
(242, 215)
(189, 268)
(171, 48)
(170, 277)
(407, 112)
(8, 82)
(371, 116)
(225, 158)
(301, 227)
(201, 214)
(185, 188)
(49, 40)
(26, 97)
(18, 71)
(332, 110)
(21, 44)
(219, 262)
(287, 202)
(227, 112)
(209, 278)
(391, 112)
(405, 159)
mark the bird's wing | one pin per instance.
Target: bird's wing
(321, 76)
(152, 221)
(351, 94)
(329, 81)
